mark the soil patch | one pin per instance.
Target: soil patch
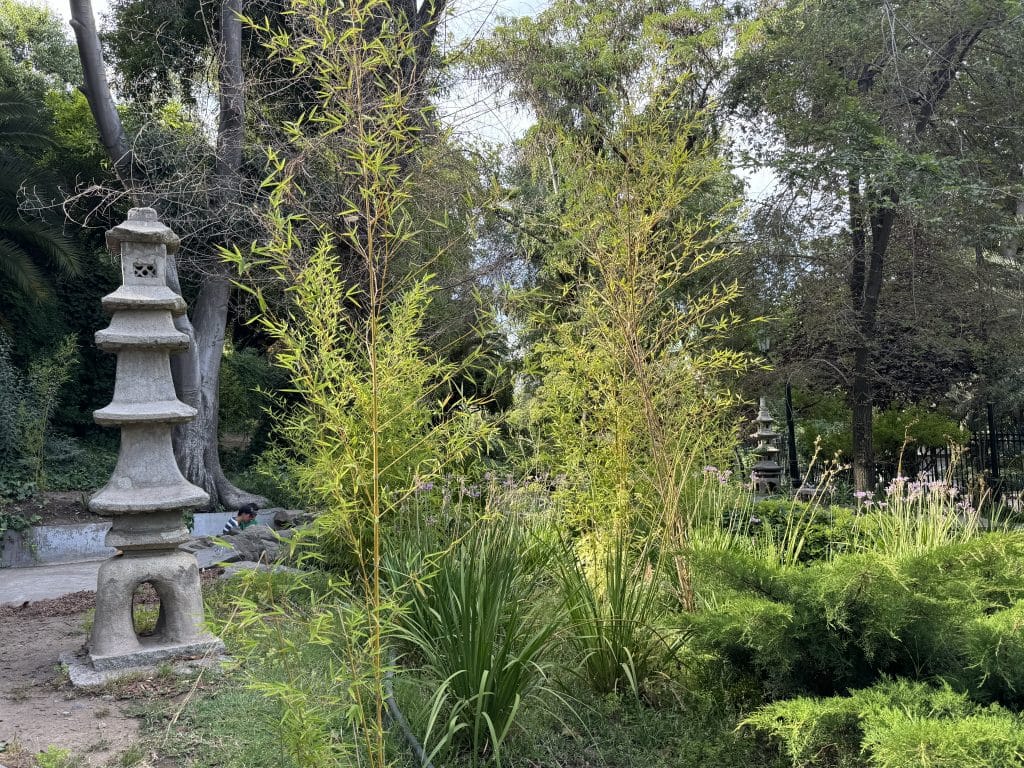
(38, 708)
(55, 508)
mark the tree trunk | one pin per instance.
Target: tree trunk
(97, 91)
(871, 214)
(862, 401)
(196, 375)
(195, 444)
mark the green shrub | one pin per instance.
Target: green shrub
(80, 465)
(825, 426)
(27, 405)
(841, 624)
(247, 383)
(996, 647)
(823, 531)
(13, 392)
(895, 724)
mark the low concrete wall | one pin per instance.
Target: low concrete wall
(46, 544)
(212, 523)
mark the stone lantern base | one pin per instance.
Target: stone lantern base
(114, 648)
(179, 630)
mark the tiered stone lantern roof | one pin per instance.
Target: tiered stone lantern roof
(147, 494)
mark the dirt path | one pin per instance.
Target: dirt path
(38, 708)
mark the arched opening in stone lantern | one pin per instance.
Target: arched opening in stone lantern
(146, 609)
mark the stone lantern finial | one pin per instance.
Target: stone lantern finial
(147, 493)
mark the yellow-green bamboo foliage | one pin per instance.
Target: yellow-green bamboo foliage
(366, 420)
(631, 398)
(367, 425)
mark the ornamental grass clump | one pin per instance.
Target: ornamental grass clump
(475, 620)
(614, 603)
(917, 516)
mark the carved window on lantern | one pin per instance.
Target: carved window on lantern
(144, 269)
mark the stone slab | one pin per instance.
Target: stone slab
(83, 676)
(212, 523)
(152, 653)
(45, 582)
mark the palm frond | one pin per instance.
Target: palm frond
(22, 124)
(14, 171)
(19, 271)
(40, 236)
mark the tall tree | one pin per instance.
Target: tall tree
(851, 99)
(221, 190)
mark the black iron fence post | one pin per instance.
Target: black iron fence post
(993, 442)
(794, 466)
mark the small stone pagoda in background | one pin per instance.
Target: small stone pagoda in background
(147, 493)
(766, 474)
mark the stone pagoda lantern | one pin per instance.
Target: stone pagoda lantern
(147, 493)
(766, 474)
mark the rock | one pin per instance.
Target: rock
(260, 543)
(244, 566)
(197, 543)
(289, 518)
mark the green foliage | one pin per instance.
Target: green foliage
(814, 531)
(46, 378)
(919, 516)
(473, 618)
(80, 465)
(627, 398)
(614, 604)
(995, 650)
(371, 418)
(847, 622)
(35, 52)
(217, 730)
(29, 402)
(896, 724)
(76, 150)
(306, 639)
(28, 243)
(13, 395)
(160, 50)
(246, 381)
(55, 757)
(368, 420)
(897, 430)
(273, 478)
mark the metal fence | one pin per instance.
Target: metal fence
(993, 457)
